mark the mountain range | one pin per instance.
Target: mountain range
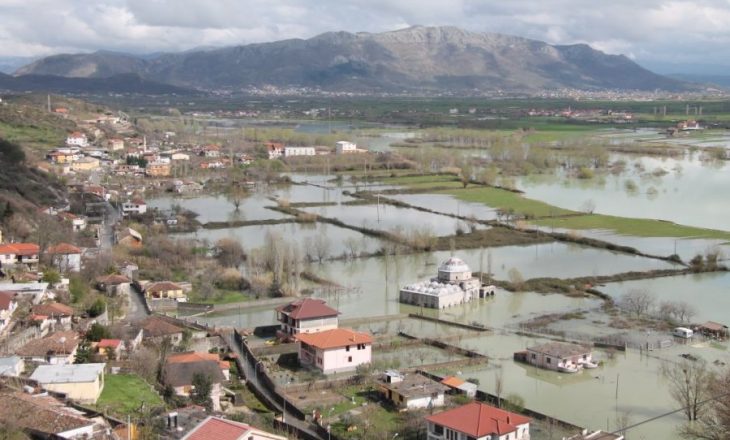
(416, 59)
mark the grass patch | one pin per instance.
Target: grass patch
(633, 226)
(426, 179)
(124, 394)
(508, 201)
(224, 297)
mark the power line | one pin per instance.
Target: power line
(660, 416)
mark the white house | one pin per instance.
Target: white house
(66, 257)
(18, 254)
(345, 147)
(274, 150)
(80, 382)
(57, 348)
(299, 151)
(307, 315)
(477, 421)
(134, 207)
(180, 156)
(559, 356)
(78, 139)
(8, 305)
(335, 350)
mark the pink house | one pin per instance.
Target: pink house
(335, 350)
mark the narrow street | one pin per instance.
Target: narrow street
(252, 378)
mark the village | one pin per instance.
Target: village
(126, 314)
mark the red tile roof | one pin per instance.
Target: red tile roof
(19, 249)
(109, 343)
(53, 309)
(452, 381)
(162, 286)
(63, 249)
(5, 299)
(156, 327)
(214, 428)
(477, 419)
(335, 338)
(60, 343)
(308, 308)
(113, 279)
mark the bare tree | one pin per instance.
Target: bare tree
(321, 246)
(588, 206)
(229, 252)
(637, 301)
(713, 423)
(689, 386)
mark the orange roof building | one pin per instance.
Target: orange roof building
(478, 420)
(216, 428)
(335, 350)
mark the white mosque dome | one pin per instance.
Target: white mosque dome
(454, 265)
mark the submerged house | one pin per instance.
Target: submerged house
(454, 285)
(558, 356)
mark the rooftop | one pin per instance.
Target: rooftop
(180, 374)
(64, 249)
(155, 327)
(69, 373)
(433, 288)
(194, 356)
(59, 343)
(162, 286)
(39, 413)
(335, 338)
(5, 299)
(113, 279)
(308, 308)
(477, 419)
(216, 428)
(415, 385)
(53, 309)
(454, 264)
(24, 249)
(109, 343)
(560, 349)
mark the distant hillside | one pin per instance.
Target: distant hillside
(719, 80)
(413, 59)
(127, 83)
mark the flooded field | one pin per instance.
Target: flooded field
(218, 209)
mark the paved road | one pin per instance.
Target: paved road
(252, 378)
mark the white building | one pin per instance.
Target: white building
(77, 138)
(345, 147)
(8, 305)
(334, 351)
(134, 207)
(66, 257)
(454, 285)
(411, 391)
(299, 151)
(11, 366)
(477, 421)
(81, 382)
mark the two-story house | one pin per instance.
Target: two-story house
(477, 421)
(336, 350)
(307, 315)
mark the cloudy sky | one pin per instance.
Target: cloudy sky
(661, 34)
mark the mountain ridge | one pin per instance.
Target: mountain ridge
(415, 58)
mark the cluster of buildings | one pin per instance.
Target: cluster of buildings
(322, 344)
(453, 285)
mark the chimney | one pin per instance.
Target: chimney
(509, 420)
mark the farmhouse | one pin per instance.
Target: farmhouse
(477, 421)
(66, 257)
(559, 356)
(336, 350)
(453, 285)
(411, 391)
(307, 315)
(80, 382)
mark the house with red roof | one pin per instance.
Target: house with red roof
(58, 313)
(212, 151)
(306, 315)
(136, 206)
(336, 350)
(110, 348)
(274, 149)
(66, 257)
(12, 254)
(217, 428)
(478, 421)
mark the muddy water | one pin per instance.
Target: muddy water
(691, 192)
(217, 208)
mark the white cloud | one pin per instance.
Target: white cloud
(651, 30)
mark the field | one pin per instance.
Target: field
(125, 393)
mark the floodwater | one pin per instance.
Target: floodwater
(588, 398)
(447, 204)
(390, 218)
(218, 209)
(692, 192)
(336, 240)
(707, 292)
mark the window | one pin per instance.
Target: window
(347, 348)
(548, 360)
(534, 356)
(349, 358)
(438, 429)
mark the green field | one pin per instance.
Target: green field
(633, 226)
(124, 394)
(507, 200)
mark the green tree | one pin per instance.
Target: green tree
(202, 386)
(51, 276)
(97, 332)
(83, 353)
(96, 308)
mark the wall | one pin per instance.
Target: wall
(86, 392)
(336, 360)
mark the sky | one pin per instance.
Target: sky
(659, 34)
